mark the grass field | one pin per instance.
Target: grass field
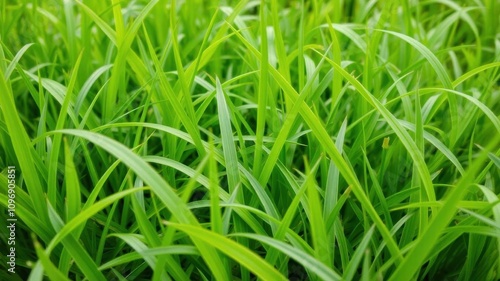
(249, 140)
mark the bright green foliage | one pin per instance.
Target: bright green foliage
(251, 140)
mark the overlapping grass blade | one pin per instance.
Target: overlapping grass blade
(234, 250)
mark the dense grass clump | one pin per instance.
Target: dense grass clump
(250, 140)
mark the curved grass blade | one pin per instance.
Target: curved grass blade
(234, 250)
(49, 268)
(15, 61)
(425, 242)
(322, 271)
(158, 185)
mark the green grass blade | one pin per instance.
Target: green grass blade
(49, 268)
(322, 271)
(427, 240)
(228, 146)
(234, 250)
(22, 147)
(358, 255)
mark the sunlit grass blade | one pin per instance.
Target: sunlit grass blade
(15, 61)
(234, 250)
(228, 146)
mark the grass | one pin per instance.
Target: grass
(251, 140)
